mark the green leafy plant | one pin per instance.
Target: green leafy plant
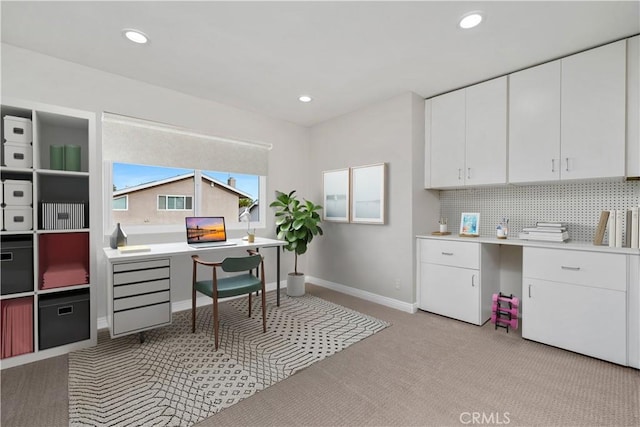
(296, 222)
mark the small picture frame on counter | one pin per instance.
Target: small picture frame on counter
(469, 224)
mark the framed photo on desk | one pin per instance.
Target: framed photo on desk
(470, 224)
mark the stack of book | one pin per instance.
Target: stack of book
(546, 231)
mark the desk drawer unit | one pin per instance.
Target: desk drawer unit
(141, 295)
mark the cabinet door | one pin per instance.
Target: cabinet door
(586, 320)
(593, 113)
(633, 106)
(486, 133)
(534, 124)
(451, 291)
(447, 139)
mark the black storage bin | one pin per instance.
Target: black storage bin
(17, 264)
(63, 318)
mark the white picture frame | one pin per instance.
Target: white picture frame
(336, 195)
(470, 224)
(368, 204)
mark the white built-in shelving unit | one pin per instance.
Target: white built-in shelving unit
(63, 310)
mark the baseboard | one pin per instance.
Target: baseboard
(369, 296)
(200, 301)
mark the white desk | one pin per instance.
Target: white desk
(574, 295)
(139, 283)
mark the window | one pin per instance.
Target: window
(205, 187)
(121, 203)
(175, 203)
(155, 195)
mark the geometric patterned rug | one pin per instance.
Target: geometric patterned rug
(176, 378)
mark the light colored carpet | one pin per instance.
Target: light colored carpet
(424, 370)
(178, 378)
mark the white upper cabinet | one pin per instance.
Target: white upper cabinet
(534, 124)
(633, 106)
(448, 139)
(468, 135)
(486, 133)
(567, 118)
(593, 113)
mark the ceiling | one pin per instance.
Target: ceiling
(261, 56)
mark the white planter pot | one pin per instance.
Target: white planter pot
(295, 284)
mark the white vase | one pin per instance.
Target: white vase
(295, 284)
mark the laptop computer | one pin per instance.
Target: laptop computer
(206, 231)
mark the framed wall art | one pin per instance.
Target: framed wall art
(368, 194)
(470, 224)
(335, 188)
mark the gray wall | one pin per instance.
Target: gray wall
(374, 258)
(30, 76)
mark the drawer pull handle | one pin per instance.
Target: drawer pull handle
(564, 267)
(18, 193)
(7, 256)
(18, 131)
(18, 156)
(447, 253)
(529, 291)
(473, 278)
(63, 311)
(553, 165)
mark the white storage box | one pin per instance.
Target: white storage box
(17, 155)
(18, 219)
(17, 130)
(17, 192)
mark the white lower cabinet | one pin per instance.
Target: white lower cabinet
(577, 301)
(457, 279)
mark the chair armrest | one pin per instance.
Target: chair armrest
(197, 259)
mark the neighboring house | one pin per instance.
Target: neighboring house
(169, 200)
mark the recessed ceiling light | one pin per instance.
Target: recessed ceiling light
(305, 98)
(135, 36)
(470, 20)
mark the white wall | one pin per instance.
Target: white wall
(374, 258)
(30, 76)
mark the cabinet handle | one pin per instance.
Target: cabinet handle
(567, 160)
(564, 267)
(468, 173)
(447, 253)
(473, 278)
(553, 165)
(529, 291)
(459, 173)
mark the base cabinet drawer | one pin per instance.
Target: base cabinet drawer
(583, 319)
(141, 318)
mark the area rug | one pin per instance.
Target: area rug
(177, 378)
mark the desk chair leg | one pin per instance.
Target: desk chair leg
(215, 318)
(264, 302)
(249, 304)
(193, 300)
(264, 313)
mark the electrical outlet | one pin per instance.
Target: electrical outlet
(397, 283)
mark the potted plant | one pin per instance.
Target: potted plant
(297, 223)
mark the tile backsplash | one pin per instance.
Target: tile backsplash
(578, 204)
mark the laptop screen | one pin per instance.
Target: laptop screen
(205, 229)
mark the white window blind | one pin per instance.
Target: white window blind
(130, 140)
